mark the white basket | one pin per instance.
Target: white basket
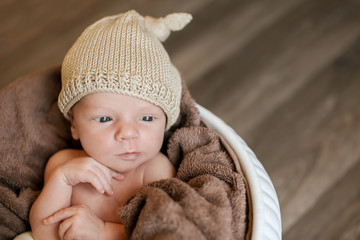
(265, 205)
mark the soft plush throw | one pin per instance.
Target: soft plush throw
(206, 200)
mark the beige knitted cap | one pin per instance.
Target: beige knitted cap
(123, 54)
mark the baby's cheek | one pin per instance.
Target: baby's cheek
(95, 146)
(155, 143)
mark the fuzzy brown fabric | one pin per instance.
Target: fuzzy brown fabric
(206, 200)
(31, 130)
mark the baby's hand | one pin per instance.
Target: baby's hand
(88, 170)
(77, 222)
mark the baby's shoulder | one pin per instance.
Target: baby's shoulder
(158, 168)
(65, 155)
(68, 152)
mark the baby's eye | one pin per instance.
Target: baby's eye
(103, 119)
(147, 118)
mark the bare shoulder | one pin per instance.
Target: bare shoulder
(61, 157)
(158, 168)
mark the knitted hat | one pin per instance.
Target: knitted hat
(123, 54)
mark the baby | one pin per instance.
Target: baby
(120, 92)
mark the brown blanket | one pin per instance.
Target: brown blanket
(206, 200)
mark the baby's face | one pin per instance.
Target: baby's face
(119, 131)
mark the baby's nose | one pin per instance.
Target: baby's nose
(126, 131)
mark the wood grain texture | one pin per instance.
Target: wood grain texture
(285, 74)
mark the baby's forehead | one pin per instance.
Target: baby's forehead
(111, 99)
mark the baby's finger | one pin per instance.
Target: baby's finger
(99, 183)
(105, 177)
(105, 171)
(59, 216)
(64, 227)
(116, 175)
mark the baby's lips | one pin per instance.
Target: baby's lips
(129, 155)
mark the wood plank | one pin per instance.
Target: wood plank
(312, 141)
(236, 24)
(336, 213)
(37, 34)
(262, 74)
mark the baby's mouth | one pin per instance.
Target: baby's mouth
(129, 156)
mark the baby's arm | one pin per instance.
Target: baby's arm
(64, 170)
(54, 196)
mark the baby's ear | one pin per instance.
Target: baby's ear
(73, 128)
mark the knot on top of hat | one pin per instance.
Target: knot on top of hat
(162, 27)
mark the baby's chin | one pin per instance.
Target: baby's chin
(128, 164)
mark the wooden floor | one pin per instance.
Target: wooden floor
(285, 74)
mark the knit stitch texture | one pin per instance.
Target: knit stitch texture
(123, 54)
